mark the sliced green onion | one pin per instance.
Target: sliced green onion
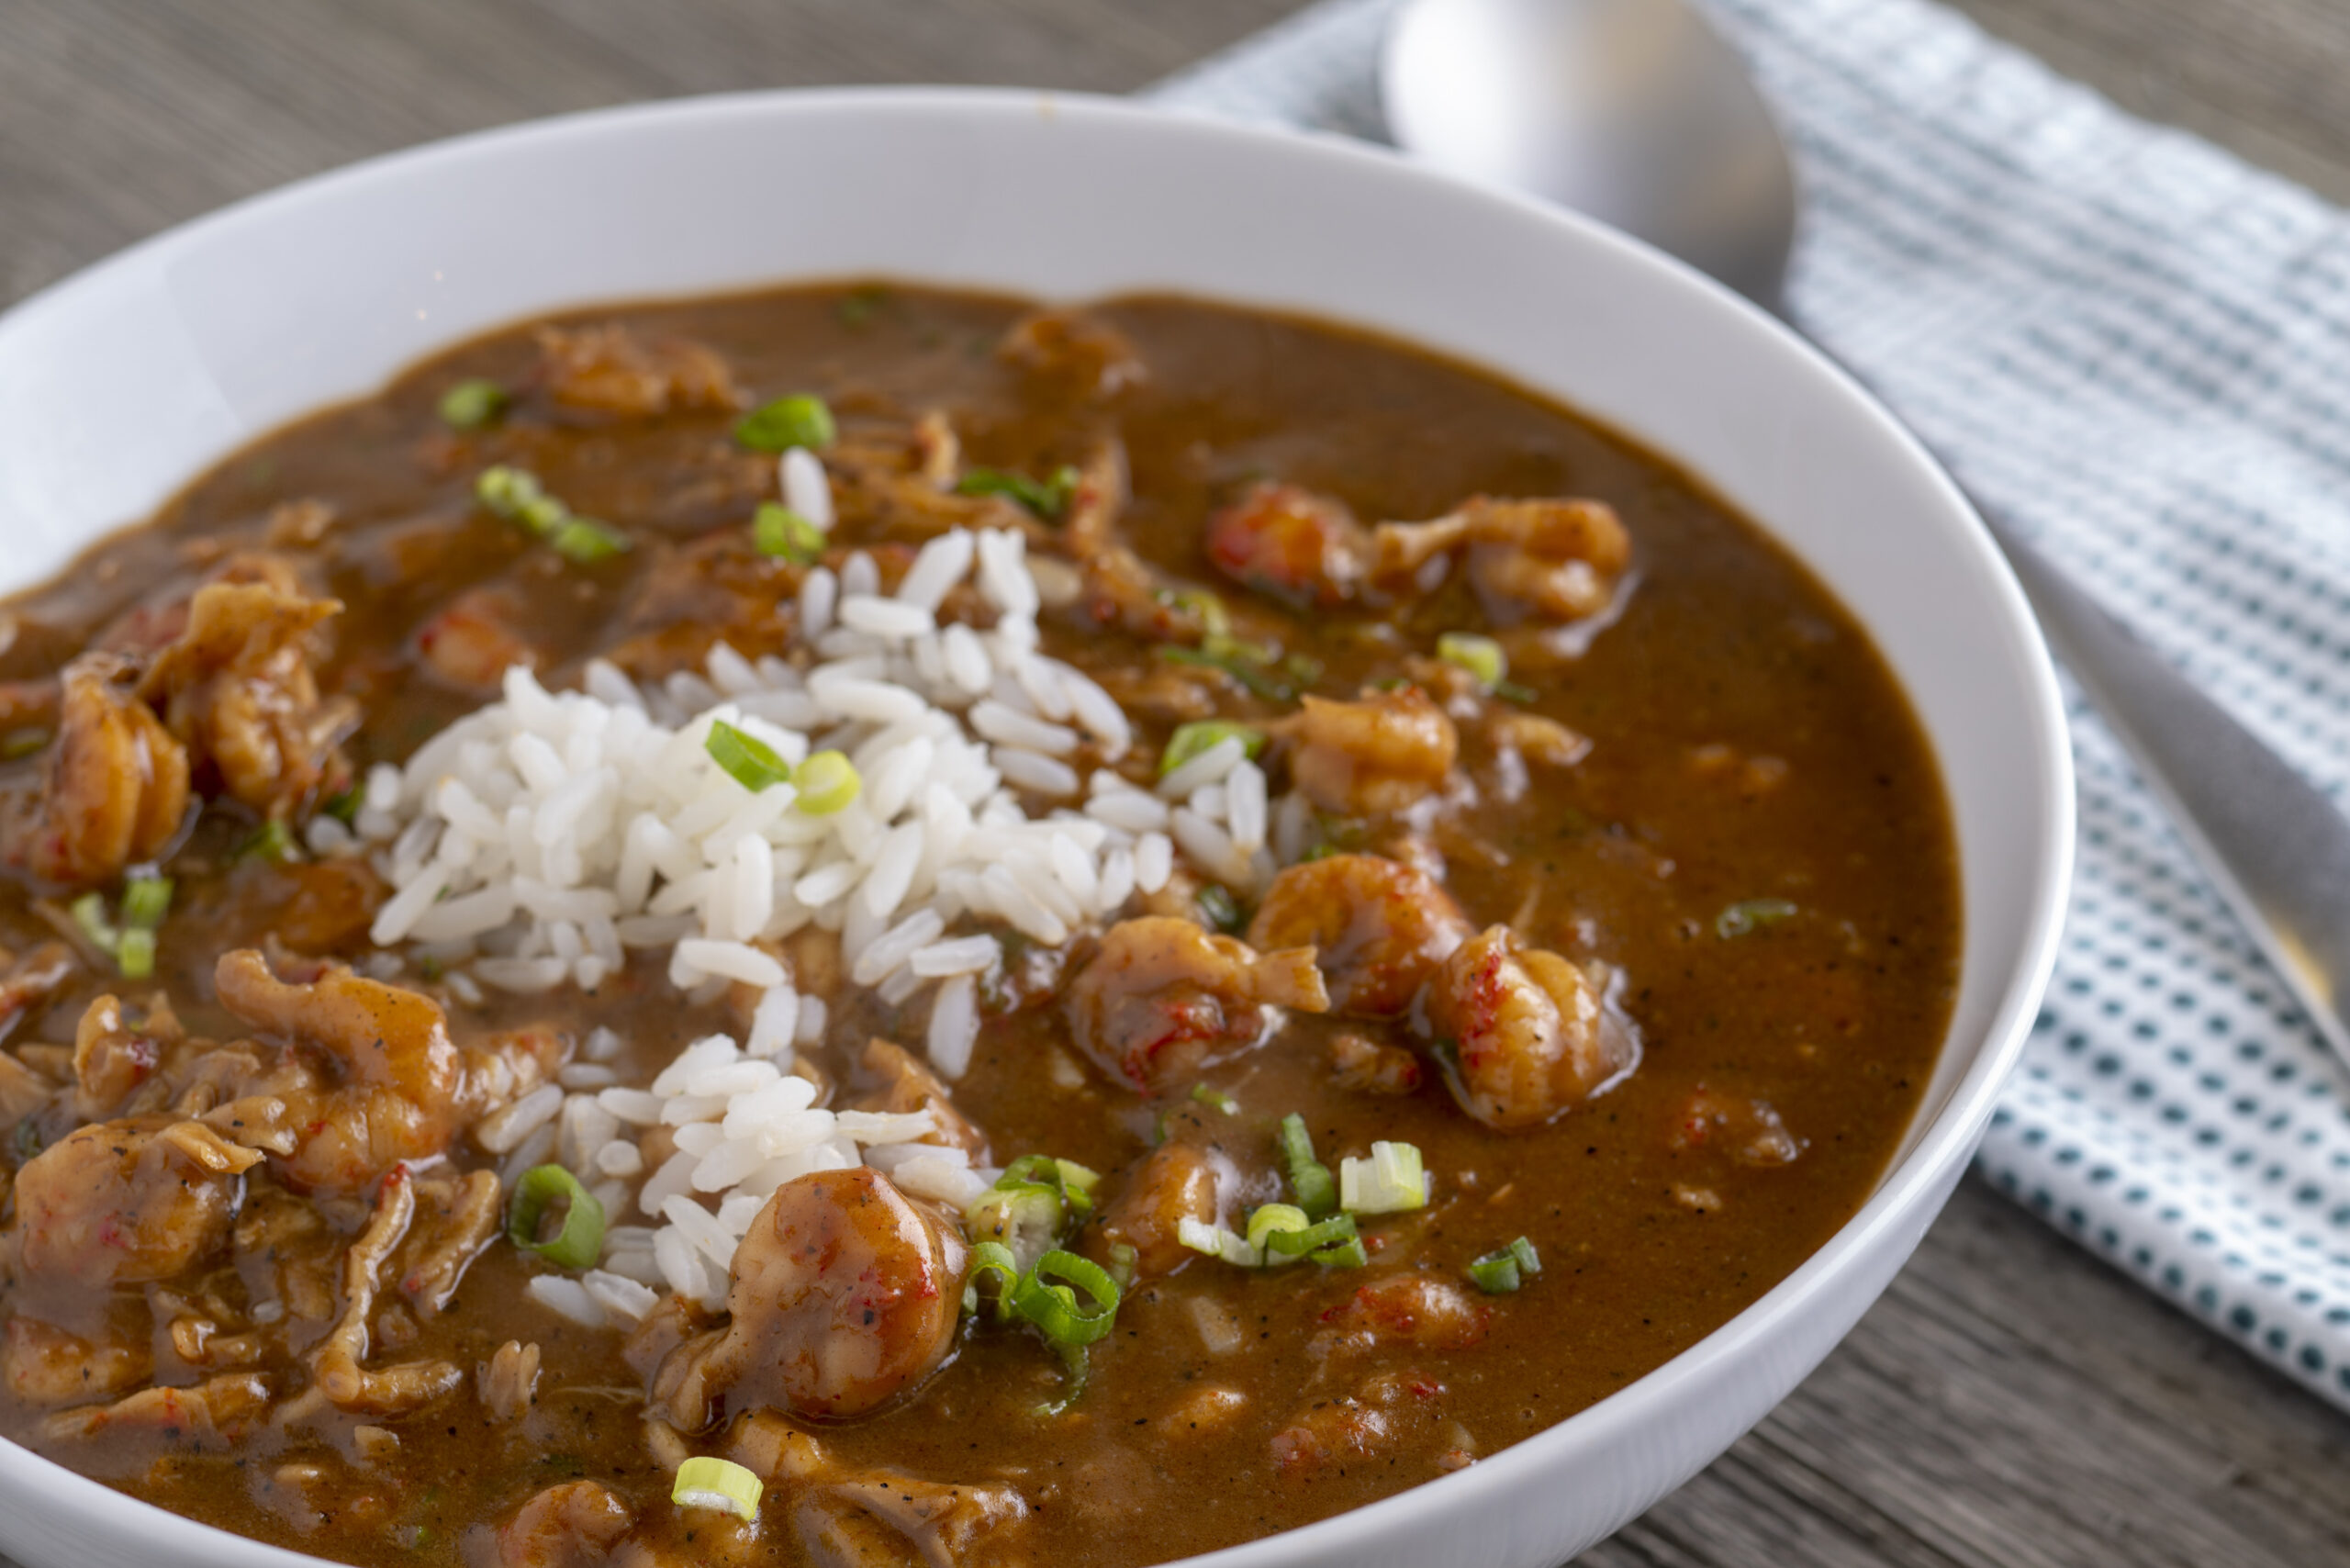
(1203, 735)
(1390, 1182)
(826, 783)
(271, 841)
(1346, 1255)
(469, 405)
(89, 913)
(134, 956)
(1122, 1258)
(1513, 691)
(1221, 908)
(1046, 1295)
(748, 761)
(507, 491)
(1217, 1241)
(1250, 666)
(1482, 656)
(1272, 1218)
(1297, 1241)
(1201, 606)
(857, 307)
(706, 1481)
(344, 807)
(801, 419)
(991, 1258)
(778, 531)
(18, 744)
(580, 1242)
(145, 901)
(1309, 1179)
(1215, 1097)
(1048, 499)
(1751, 915)
(585, 540)
(1500, 1272)
(1026, 1220)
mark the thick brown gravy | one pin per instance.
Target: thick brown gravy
(1755, 841)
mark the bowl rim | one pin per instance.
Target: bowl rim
(1920, 1173)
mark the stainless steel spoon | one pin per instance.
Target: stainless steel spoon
(1635, 112)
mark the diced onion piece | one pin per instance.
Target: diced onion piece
(826, 781)
(1480, 657)
(748, 761)
(580, 1242)
(708, 1482)
(1390, 1182)
(801, 419)
(1198, 738)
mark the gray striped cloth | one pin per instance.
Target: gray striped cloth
(2139, 348)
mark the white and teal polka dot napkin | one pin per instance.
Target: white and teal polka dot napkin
(2139, 348)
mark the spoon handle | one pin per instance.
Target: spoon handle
(2277, 847)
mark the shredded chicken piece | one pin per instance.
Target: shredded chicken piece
(610, 370)
(1374, 755)
(455, 1221)
(114, 790)
(238, 690)
(1163, 999)
(1379, 928)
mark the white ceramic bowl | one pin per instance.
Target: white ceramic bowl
(121, 384)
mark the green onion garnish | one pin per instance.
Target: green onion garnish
(1215, 1097)
(706, 1481)
(585, 540)
(1198, 738)
(1751, 915)
(748, 761)
(469, 405)
(1272, 1219)
(778, 531)
(89, 913)
(134, 956)
(1048, 499)
(1221, 908)
(1201, 606)
(1046, 1295)
(801, 419)
(1257, 667)
(1122, 1258)
(271, 841)
(1287, 1242)
(1309, 1179)
(580, 1242)
(510, 493)
(145, 901)
(1480, 657)
(344, 807)
(1390, 1182)
(1503, 1271)
(991, 1258)
(25, 1142)
(826, 783)
(18, 744)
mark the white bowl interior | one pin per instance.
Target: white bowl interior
(119, 385)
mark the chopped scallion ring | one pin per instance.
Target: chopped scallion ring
(1299, 1241)
(586, 542)
(991, 1258)
(1123, 1259)
(1203, 735)
(1215, 1097)
(801, 419)
(469, 405)
(1500, 1272)
(30, 741)
(1046, 1295)
(271, 841)
(505, 492)
(1751, 915)
(778, 531)
(748, 761)
(145, 901)
(706, 1481)
(1309, 1179)
(1271, 1218)
(90, 913)
(1217, 1241)
(1223, 911)
(1390, 1182)
(134, 955)
(1482, 656)
(1201, 606)
(580, 1242)
(826, 783)
(1048, 499)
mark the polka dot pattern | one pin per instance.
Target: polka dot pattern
(2134, 345)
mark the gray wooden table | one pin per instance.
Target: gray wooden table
(2011, 1403)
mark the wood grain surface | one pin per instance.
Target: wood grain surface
(2011, 1403)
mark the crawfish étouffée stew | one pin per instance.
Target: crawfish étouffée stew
(865, 924)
